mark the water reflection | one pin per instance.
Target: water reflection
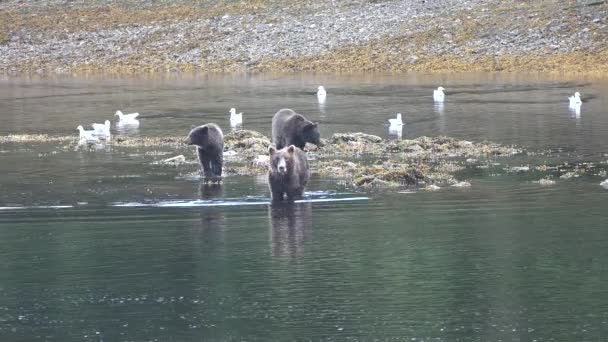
(213, 220)
(210, 190)
(322, 107)
(438, 108)
(128, 127)
(261, 181)
(290, 227)
(575, 110)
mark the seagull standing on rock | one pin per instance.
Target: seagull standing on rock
(438, 94)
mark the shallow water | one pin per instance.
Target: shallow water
(102, 245)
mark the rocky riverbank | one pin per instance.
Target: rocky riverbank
(135, 37)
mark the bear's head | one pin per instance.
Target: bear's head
(311, 134)
(281, 161)
(198, 136)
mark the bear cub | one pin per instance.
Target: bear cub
(209, 142)
(291, 128)
(288, 173)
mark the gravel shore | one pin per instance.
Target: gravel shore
(127, 37)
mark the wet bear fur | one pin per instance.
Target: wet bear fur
(291, 128)
(209, 142)
(288, 173)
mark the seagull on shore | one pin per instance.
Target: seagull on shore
(394, 123)
(86, 135)
(438, 94)
(235, 119)
(126, 117)
(575, 100)
(102, 129)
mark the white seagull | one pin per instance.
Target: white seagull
(438, 94)
(321, 95)
(321, 91)
(126, 117)
(102, 129)
(235, 119)
(576, 99)
(396, 122)
(86, 135)
(396, 130)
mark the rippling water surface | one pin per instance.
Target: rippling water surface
(102, 245)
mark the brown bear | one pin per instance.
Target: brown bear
(291, 128)
(209, 141)
(288, 173)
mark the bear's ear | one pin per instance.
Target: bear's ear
(310, 125)
(316, 124)
(291, 149)
(272, 150)
(204, 129)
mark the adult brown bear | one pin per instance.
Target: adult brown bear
(291, 128)
(288, 173)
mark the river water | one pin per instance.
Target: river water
(100, 245)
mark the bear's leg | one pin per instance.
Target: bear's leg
(277, 196)
(295, 194)
(217, 168)
(206, 164)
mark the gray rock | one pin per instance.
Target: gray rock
(412, 59)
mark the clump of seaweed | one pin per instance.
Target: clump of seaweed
(28, 138)
(125, 141)
(359, 159)
(247, 144)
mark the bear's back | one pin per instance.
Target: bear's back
(216, 136)
(286, 127)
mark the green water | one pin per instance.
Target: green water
(505, 260)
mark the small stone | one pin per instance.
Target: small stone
(546, 181)
(412, 59)
(432, 187)
(462, 184)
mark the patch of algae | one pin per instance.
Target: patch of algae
(363, 160)
(248, 144)
(25, 138)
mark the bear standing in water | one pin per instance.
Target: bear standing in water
(291, 128)
(209, 141)
(288, 173)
